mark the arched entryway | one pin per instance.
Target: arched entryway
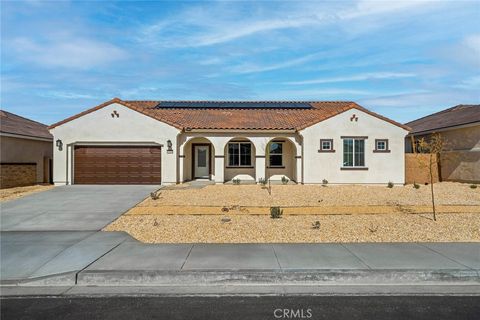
(239, 160)
(199, 159)
(280, 160)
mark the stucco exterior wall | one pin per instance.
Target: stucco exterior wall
(19, 150)
(382, 167)
(461, 159)
(100, 128)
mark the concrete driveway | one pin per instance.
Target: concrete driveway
(71, 208)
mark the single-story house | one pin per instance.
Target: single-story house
(26, 151)
(460, 128)
(168, 142)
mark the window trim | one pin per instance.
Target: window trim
(386, 150)
(353, 167)
(326, 150)
(281, 166)
(229, 165)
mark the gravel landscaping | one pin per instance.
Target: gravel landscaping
(18, 192)
(298, 229)
(346, 214)
(447, 193)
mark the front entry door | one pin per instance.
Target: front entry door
(201, 163)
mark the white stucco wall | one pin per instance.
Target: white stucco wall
(99, 128)
(382, 167)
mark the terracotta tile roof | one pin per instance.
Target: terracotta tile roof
(456, 116)
(13, 124)
(238, 115)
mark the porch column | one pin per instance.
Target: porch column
(259, 167)
(181, 159)
(299, 164)
(219, 168)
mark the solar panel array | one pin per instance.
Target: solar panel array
(234, 105)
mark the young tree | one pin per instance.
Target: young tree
(433, 146)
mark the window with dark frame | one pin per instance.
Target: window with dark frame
(381, 145)
(353, 152)
(239, 154)
(326, 145)
(275, 154)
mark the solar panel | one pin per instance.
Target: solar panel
(233, 105)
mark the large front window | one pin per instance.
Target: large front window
(353, 152)
(239, 154)
(276, 154)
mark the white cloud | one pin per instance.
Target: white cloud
(68, 52)
(198, 27)
(359, 77)
(255, 68)
(65, 95)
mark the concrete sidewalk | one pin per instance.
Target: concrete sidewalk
(112, 259)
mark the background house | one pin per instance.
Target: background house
(26, 151)
(460, 127)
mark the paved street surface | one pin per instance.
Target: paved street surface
(77, 207)
(243, 307)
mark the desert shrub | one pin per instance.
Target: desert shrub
(236, 181)
(262, 181)
(390, 184)
(316, 225)
(154, 196)
(276, 212)
(324, 182)
(416, 185)
(285, 180)
(473, 186)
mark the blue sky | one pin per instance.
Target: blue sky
(403, 59)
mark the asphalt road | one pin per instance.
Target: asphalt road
(242, 307)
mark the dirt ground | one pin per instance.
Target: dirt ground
(345, 213)
(456, 227)
(447, 193)
(18, 192)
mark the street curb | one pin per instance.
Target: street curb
(265, 277)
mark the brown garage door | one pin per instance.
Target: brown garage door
(117, 165)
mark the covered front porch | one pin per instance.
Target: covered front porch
(246, 159)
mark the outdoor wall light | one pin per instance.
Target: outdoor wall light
(59, 144)
(169, 145)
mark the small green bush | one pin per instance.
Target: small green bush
(285, 180)
(324, 182)
(236, 181)
(416, 185)
(390, 184)
(276, 212)
(154, 196)
(316, 225)
(262, 181)
(473, 186)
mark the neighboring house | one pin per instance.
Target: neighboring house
(460, 127)
(26, 151)
(152, 142)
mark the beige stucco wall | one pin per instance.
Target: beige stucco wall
(20, 150)
(461, 159)
(99, 128)
(382, 167)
